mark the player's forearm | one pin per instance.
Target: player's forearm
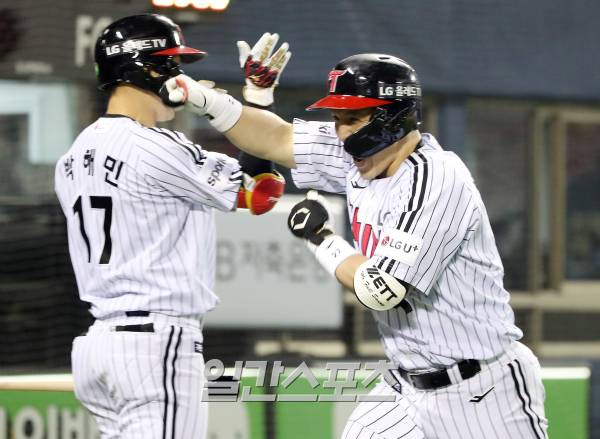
(258, 132)
(265, 135)
(376, 289)
(347, 269)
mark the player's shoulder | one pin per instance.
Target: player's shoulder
(440, 164)
(314, 128)
(159, 136)
(103, 131)
(173, 142)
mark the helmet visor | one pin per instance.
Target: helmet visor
(187, 54)
(347, 102)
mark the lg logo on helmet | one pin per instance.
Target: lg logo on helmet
(136, 46)
(398, 91)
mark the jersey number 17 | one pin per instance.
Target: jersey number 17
(96, 202)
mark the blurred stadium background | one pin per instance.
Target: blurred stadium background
(512, 87)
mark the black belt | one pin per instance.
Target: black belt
(146, 327)
(137, 313)
(440, 378)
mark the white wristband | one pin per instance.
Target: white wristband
(332, 251)
(224, 111)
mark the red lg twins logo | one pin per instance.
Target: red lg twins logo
(364, 235)
(333, 78)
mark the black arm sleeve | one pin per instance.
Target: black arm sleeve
(253, 166)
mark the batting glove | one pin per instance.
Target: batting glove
(261, 70)
(311, 220)
(222, 110)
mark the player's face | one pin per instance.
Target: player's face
(347, 122)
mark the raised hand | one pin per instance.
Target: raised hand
(261, 70)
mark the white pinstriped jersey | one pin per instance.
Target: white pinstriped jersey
(139, 206)
(427, 226)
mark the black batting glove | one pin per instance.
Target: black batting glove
(310, 219)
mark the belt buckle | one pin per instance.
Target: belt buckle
(410, 379)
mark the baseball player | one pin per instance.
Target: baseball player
(139, 202)
(424, 258)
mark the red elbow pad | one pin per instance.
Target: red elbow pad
(261, 193)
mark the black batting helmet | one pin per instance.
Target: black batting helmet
(128, 49)
(384, 82)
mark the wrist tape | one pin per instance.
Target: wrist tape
(332, 251)
(223, 111)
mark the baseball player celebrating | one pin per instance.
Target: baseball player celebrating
(139, 202)
(424, 258)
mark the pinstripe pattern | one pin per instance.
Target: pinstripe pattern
(164, 195)
(321, 162)
(93, 391)
(383, 420)
(512, 400)
(166, 389)
(140, 224)
(168, 383)
(142, 385)
(456, 307)
(460, 309)
(526, 399)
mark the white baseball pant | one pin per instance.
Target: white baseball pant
(142, 385)
(505, 400)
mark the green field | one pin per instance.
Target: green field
(58, 415)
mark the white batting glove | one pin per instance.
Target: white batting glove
(261, 70)
(203, 99)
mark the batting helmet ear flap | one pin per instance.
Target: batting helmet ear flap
(147, 75)
(388, 124)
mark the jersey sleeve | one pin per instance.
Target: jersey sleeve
(184, 170)
(321, 162)
(422, 235)
(59, 185)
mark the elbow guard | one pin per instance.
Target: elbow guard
(259, 194)
(377, 289)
